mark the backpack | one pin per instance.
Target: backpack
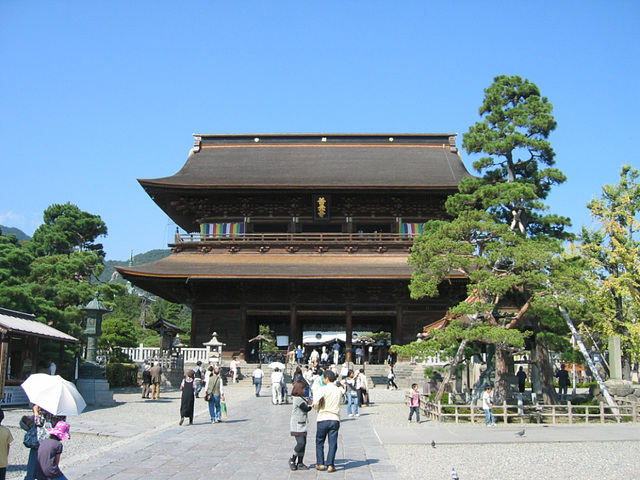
(31, 438)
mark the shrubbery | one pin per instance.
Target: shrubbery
(122, 375)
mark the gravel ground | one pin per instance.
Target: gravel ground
(133, 418)
(537, 461)
(530, 461)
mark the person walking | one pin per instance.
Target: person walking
(327, 401)
(352, 394)
(233, 368)
(156, 379)
(391, 379)
(199, 373)
(299, 421)
(49, 452)
(258, 375)
(414, 402)
(336, 353)
(363, 394)
(146, 381)
(215, 390)
(276, 386)
(487, 406)
(187, 399)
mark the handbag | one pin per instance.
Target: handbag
(31, 437)
(223, 409)
(207, 397)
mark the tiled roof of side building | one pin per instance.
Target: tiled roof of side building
(19, 322)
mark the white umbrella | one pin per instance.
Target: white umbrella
(54, 394)
(275, 365)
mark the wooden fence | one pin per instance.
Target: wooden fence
(554, 414)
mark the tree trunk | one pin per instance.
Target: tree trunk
(545, 371)
(501, 384)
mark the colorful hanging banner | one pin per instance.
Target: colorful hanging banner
(219, 230)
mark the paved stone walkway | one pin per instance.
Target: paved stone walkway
(253, 442)
(141, 439)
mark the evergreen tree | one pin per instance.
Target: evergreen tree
(499, 236)
(66, 228)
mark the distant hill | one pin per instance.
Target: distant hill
(20, 235)
(150, 256)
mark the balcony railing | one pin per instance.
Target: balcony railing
(353, 238)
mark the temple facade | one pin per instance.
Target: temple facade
(305, 233)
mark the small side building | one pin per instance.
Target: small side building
(20, 337)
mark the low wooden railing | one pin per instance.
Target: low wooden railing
(297, 237)
(554, 414)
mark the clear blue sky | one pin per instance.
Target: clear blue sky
(95, 94)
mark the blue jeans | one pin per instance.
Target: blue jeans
(352, 398)
(415, 410)
(258, 384)
(214, 408)
(31, 463)
(324, 429)
(488, 417)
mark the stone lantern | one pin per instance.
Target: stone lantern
(91, 382)
(95, 309)
(214, 349)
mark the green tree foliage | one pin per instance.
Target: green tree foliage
(499, 237)
(518, 168)
(268, 346)
(175, 313)
(66, 228)
(120, 327)
(613, 252)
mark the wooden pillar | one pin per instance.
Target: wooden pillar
(293, 326)
(396, 336)
(349, 332)
(4, 359)
(243, 330)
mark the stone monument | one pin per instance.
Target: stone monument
(91, 382)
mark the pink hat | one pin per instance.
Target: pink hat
(61, 430)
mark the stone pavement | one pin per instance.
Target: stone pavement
(141, 439)
(253, 442)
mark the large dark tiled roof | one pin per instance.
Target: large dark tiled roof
(422, 161)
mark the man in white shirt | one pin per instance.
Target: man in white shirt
(52, 368)
(257, 379)
(327, 400)
(487, 406)
(276, 386)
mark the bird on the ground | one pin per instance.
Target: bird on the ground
(433, 443)
(521, 433)
(454, 474)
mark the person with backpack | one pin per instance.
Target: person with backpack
(28, 424)
(197, 375)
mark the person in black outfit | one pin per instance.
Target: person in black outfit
(563, 382)
(522, 378)
(146, 381)
(187, 400)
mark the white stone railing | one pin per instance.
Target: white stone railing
(141, 353)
